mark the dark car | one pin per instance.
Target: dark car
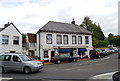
(63, 58)
(93, 54)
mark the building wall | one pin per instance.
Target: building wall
(0, 42)
(11, 32)
(119, 18)
(31, 47)
(50, 47)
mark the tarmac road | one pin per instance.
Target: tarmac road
(74, 71)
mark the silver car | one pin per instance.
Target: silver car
(19, 62)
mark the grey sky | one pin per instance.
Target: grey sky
(30, 15)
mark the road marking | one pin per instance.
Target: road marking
(105, 58)
(104, 76)
(1, 78)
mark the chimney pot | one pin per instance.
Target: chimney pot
(73, 22)
(5, 25)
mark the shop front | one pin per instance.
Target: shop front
(82, 52)
(64, 51)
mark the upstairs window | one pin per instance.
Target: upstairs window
(59, 39)
(86, 40)
(74, 40)
(16, 40)
(49, 38)
(65, 38)
(79, 39)
(5, 39)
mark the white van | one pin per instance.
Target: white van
(19, 62)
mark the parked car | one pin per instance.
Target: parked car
(19, 62)
(106, 51)
(119, 54)
(114, 49)
(32, 58)
(100, 53)
(63, 58)
(93, 54)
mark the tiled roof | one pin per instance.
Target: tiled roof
(31, 37)
(60, 27)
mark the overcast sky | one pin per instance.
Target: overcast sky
(30, 15)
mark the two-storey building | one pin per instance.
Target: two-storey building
(31, 44)
(56, 38)
(10, 39)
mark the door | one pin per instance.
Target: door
(17, 63)
(52, 54)
(71, 52)
(6, 62)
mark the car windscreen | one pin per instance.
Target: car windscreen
(25, 58)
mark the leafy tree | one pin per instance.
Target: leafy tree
(98, 35)
(102, 43)
(93, 27)
(114, 40)
(110, 36)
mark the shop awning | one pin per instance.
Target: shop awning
(64, 50)
(82, 49)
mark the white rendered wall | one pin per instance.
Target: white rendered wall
(11, 32)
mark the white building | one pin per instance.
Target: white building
(119, 18)
(31, 44)
(10, 39)
(63, 38)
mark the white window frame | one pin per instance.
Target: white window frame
(5, 39)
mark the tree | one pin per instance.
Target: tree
(110, 36)
(98, 35)
(114, 40)
(86, 23)
(93, 27)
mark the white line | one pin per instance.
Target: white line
(105, 58)
(104, 76)
(5, 78)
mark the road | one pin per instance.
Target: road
(80, 70)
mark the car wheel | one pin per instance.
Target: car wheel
(3, 70)
(27, 70)
(58, 61)
(74, 60)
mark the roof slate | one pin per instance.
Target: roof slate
(60, 27)
(31, 37)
